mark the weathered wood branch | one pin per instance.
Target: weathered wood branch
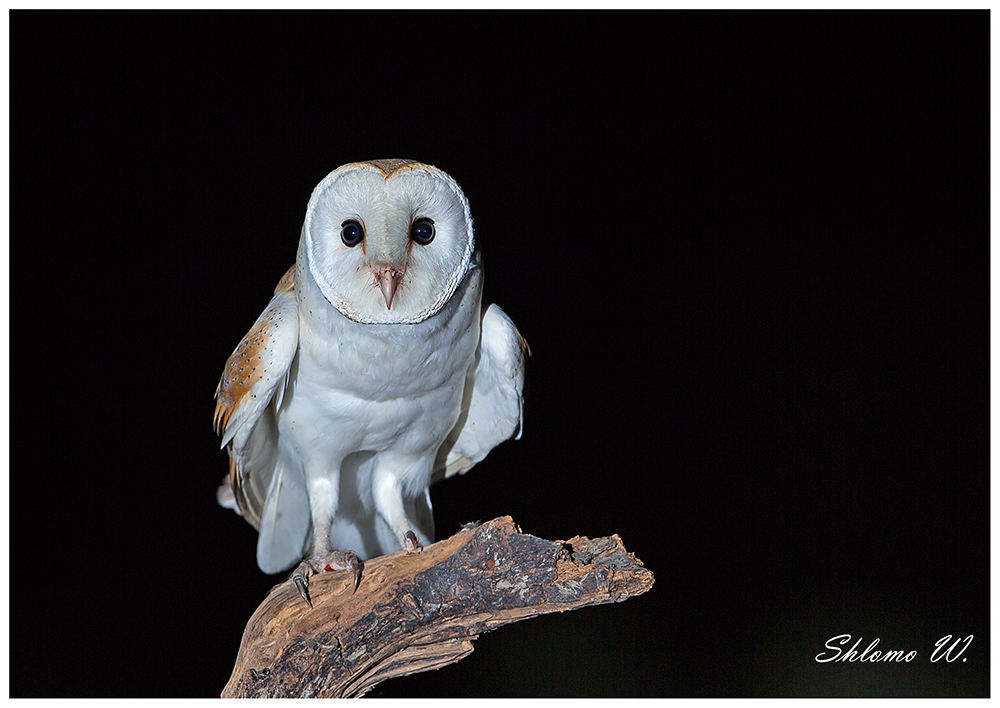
(419, 611)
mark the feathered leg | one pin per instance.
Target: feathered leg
(388, 496)
(323, 505)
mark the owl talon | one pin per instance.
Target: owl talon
(410, 542)
(354, 565)
(301, 581)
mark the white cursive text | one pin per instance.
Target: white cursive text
(870, 653)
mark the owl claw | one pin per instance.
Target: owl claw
(336, 560)
(302, 584)
(354, 565)
(410, 542)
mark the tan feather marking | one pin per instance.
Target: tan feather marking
(245, 366)
(244, 369)
(287, 282)
(391, 168)
(522, 343)
(232, 468)
(250, 511)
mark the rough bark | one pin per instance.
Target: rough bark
(418, 611)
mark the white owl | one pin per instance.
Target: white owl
(374, 369)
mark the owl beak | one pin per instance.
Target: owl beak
(388, 279)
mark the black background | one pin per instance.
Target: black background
(750, 253)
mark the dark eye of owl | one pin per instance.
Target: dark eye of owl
(422, 231)
(351, 233)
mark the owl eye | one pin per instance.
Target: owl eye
(422, 231)
(351, 233)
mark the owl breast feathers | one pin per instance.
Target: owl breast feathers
(374, 370)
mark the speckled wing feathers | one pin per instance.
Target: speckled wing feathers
(254, 376)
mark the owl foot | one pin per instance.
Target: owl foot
(410, 542)
(335, 560)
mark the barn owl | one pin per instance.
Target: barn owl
(374, 370)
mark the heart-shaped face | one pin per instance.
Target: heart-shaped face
(387, 241)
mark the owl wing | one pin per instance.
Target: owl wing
(493, 404)
(249, 392)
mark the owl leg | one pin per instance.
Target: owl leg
(322, 558)
(388, 496)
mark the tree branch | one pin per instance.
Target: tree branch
(419, 611)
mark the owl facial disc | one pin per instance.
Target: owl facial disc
(387, 241)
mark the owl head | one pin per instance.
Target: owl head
(387, 241)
